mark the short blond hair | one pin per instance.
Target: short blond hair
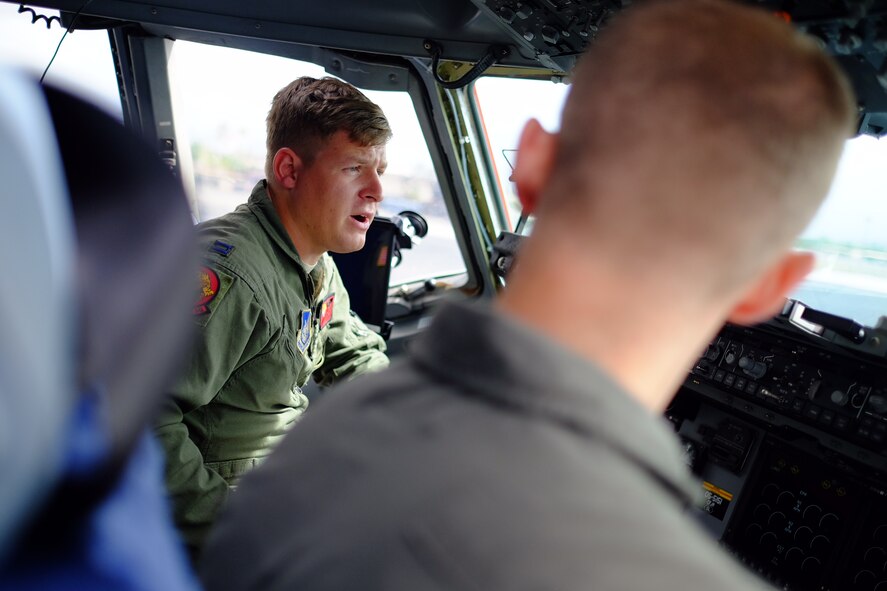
(699, 127)
(307, 111)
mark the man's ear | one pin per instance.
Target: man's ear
(286, 167)
(766, 297)
(535, 161)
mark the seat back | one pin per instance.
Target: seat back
(120, 300)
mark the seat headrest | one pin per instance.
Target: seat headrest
(99, 277)
(36, 302)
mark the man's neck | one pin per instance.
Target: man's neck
(646, 341)
(281, 201)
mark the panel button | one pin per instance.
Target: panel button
(751, 388)
(729, 379)
(740, 383)
(719, 375)
(803, 535)
(827, 417)
(797, 405)
(812, 514)
(842, 423)
(812, 412)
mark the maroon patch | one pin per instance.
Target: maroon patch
(209, 289)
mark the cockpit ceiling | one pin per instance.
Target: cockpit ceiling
(540, 33)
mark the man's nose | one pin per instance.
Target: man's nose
(373, 189)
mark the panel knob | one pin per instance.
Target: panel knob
(803, 535)
(878, 403)
(875, 557)
(829, 522)
(752, 368)
(820, 545)
(777, 520)
(839, 397)
(524, 11)
(550, 35)
(864, 579)
(813, 513)
(768, 542)
(811, 566)
(785, 500)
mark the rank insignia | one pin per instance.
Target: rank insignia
(304, 338)
(222, 248)
(209, 289)
(326, 310)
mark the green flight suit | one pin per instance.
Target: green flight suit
(266, 324)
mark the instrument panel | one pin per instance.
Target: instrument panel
(788, 435)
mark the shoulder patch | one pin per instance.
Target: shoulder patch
(212, 285)
(326, 310)
(209, 289)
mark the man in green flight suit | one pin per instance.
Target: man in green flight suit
(272, 310)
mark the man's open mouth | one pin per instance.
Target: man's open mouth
(361, 218)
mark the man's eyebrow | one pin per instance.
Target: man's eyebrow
(359, 158)
(366, 160)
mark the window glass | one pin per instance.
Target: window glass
(83, 65)
(848, 237)
(222, 98)
(504, 118)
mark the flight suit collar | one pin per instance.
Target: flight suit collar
(261, 206)
(498, 359)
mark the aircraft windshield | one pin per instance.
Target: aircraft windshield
(847, 236)
(849, 240)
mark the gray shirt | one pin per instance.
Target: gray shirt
(491, 458)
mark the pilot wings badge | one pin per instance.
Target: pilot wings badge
(304, 338)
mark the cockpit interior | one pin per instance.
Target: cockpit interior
(783, 423)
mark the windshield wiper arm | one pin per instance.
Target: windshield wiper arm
(847, 328)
